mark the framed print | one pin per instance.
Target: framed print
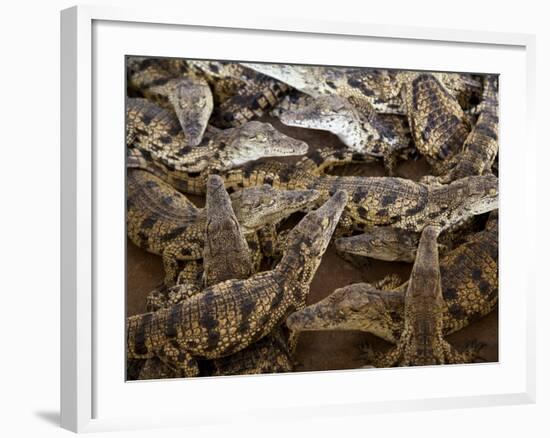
(331, 218)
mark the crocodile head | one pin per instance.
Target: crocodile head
(308, 241)
(256, 207)
(192, 100)
(226, 253)
(334, 114)
(474, 195)
(355, 307)
(382, 243)
(254, 140)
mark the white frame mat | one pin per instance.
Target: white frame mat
(94, 395)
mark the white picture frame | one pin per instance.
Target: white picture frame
(93, 397)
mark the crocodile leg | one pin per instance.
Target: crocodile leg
(191, 274)
(156, 299)
(178, 359)
(171, 265)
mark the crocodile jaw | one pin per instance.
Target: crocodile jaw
(349, 308)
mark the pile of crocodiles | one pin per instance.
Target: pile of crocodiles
(238, 268)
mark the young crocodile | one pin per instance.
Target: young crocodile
(267, 356)
(255, 173)
(157, 132)
(162, 221)
(381, 243)
(189, 97)
(397, 245)
(408, 205)
(363, 87)
(438, 124)
(240, 94)
(421, 341)
(481, 146)
(359, 130)
(469, 282)
(227, 317)
(226, 256)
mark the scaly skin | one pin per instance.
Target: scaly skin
(363, 87)
(374, 201)
(162, 221)
(397, 245)
(469, 283)
(189, 97)
(405, 204)
(277, 174)
(421, 341)
(438, 124)
(360, 131)
(228, 317)
(266, 356)
(157, 131)
(226, 254)
(239, 93)
(481, 146)
(381, 243)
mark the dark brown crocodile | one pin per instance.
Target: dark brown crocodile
(228, 317)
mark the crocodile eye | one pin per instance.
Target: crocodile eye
(376, 242)
(260, 137)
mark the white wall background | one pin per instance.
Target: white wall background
(29, 216)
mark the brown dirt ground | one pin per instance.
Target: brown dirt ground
(323, 350)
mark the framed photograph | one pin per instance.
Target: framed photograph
(334, 218)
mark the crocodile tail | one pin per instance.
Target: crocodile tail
(321, 160)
